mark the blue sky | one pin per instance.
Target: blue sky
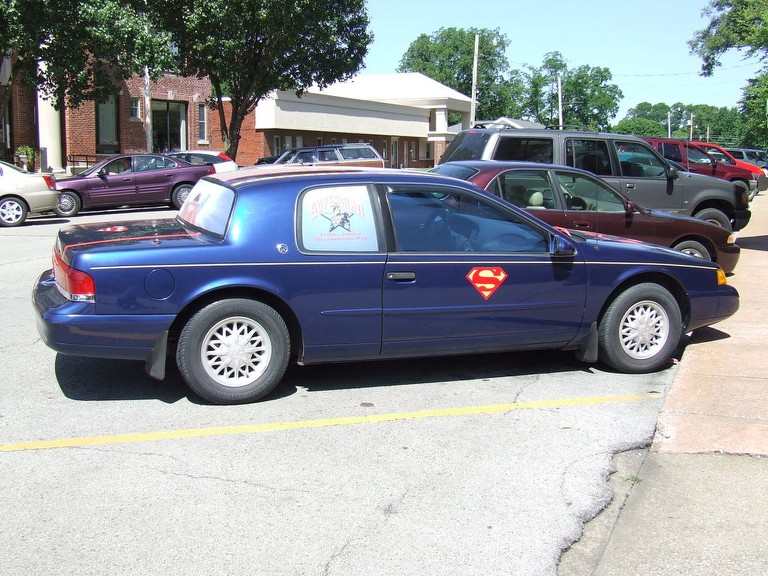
(638, 41)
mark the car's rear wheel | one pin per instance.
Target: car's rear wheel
(716, 217)
(233, 351)
(13, 212)
(180, 194)
(693, 248)
(69, 204)
(640, 329)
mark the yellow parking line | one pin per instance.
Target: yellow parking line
(132, 438)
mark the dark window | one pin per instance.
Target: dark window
(638, 161)
(357, 153)
(526, 188)
(306, 157)
(583, 193)
(739, 154)
(590, 155)
(696, 156)
(202, 121)
(467, 145)
(107, 130)
(147, 163)
(327, 156)
(119, 166)
(671, 150)
(434, 219)
(524, 149)
(455, 171)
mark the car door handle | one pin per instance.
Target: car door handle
(630, 185)
(401, 276)
(126, 179)
(582, 225)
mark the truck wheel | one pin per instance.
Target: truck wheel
(180, 194)
(68, 205)
(715, 216)
(13, 212)
(640, 329)
(233, 351)
(693, 248)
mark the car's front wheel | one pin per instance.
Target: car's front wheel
(234, 351)
(693, 248)
(640, 329)
(180, 194)
(13, 212)
(716, 217)
(68, 205)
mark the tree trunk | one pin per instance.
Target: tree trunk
(235, 123)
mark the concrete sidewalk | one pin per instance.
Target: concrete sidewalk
(698, 501)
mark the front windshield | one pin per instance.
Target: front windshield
(208, 207)
(11, 166)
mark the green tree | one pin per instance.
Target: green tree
(640, 127)
(447, 55)
(647, 111)
(249, 48)
(733, 25)
(754, 108)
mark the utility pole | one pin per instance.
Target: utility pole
(691, 122)
(147, 110)
(473, 105)
(560, 98)
(707, 132)
(669, 124)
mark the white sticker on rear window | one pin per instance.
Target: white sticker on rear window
(338, 219)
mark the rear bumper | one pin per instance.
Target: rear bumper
(741, 218)
(712, 306)
(42, 200)
(73, 327)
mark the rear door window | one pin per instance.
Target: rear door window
(524, 149)
(671, 150)
(590, 155)
(327, 156)
(361, 153)
(696, 156)
(529, 189)
(468, 145)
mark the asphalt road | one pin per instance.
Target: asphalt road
(479, 465)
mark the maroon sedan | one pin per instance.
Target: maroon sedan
(131, 180)
(572, 198)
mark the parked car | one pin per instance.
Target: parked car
(129, 180)
(627, 163)
(256, 272)
(363, 155)
(24, 193)
(219, 160)
(752, 155)
(711, 160)
(573, 198)
(267, 160)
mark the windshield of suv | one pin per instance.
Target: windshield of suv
(208, 207)
(467, 145)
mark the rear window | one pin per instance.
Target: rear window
(357, 153)
(208, 207)
(466, 146)
(524, 149)
(454, 171)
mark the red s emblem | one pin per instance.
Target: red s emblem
(487, 279)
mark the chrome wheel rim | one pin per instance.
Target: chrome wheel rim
(182, 194)
(644, 330)
(236, 351)
(11, 211)
(66, 203)
(694, 252)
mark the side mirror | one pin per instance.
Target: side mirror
(561, 247)
(673, 173)
(629, 207)
(101, 173)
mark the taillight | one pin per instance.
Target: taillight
(74, 284)
(223, 156)
(49, 181)
(211, 169)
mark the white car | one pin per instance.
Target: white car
(219, 160)
(23, 193)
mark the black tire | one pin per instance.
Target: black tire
(13, 212)
(715, 216)
(69, 204)
(189, 351)
(180, 194)
(693, 248)
(611, 351)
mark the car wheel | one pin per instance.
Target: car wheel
(13, 212)
(716, 217)
(640, 329)
(180, 194)
(233, 351)
(693, 248)
(68, 205)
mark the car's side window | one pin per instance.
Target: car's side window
(338, 219)
(119, 166)
(696, 156)
(637, 161)
(671, 150)
(524, 149)
(590, 155)
(147, 163)
(437, 219)
(720, 156)
(528, 189)
(307, 157)
(588, 195)
(327, 155)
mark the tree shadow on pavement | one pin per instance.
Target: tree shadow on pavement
(753, 243)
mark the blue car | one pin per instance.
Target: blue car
(319, 265)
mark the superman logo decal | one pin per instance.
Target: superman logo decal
(487, 279)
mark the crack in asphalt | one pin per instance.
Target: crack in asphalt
(239, 481)
(337, 554)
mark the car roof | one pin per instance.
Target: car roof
(546, 132)
(256, 173)
(500, 165)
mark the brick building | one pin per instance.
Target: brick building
(404, 116)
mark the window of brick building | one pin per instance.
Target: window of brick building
(135, 109)
(202, 124)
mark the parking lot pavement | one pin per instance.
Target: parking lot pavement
(465, 465)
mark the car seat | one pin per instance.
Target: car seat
(536, 201)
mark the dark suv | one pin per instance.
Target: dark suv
(627, 163)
